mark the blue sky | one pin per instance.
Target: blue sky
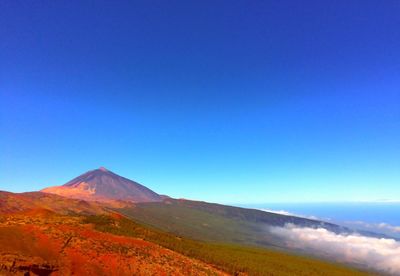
(225, 101)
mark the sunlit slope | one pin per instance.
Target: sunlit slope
(52, 244)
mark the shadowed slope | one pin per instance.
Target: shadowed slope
(216, 222)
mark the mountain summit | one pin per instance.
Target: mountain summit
(102, 185)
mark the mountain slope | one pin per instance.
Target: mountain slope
(234, 259)
(216, 222)
(47, 234)
(104, 185)
(233, 239)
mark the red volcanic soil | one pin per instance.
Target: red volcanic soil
(46, 243)
(44, 234)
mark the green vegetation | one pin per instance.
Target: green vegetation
(193, 223)
(234, 259)
(213, 222)
(203, 221)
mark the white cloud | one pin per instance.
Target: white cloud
(280, 212)
(286, 213)
(376, 253)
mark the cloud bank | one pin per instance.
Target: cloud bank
(374, 253)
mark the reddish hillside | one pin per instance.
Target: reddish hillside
(104, 185)
(48, 243)
(24, 202)
(45, 234)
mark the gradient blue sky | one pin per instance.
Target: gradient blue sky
(225, 101)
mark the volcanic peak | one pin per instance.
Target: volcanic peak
(103, 185)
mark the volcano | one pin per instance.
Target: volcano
(104, 185)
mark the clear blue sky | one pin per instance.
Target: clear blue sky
(226, 101)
